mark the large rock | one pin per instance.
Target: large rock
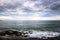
(9, 32)
(13, 33)
(2, 33)
(17, 33)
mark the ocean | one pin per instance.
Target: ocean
(38, 28)
(30, 25)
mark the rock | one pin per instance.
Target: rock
(18, 34)
(13, 33)
(2, 33)
(9, 32)
(24, 34)
(30, 32)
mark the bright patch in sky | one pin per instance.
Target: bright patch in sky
(30, 10)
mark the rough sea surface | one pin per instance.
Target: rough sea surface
(38, 29)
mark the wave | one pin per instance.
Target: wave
(41, 34)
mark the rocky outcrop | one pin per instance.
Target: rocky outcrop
(11, 32)
(2, 33)
(15, 35)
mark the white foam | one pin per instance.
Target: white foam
(40, 34)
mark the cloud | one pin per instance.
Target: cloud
(30, 9)
(2, 9)
(12, 8)
(22, 5)
(55, 6)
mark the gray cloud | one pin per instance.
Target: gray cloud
(39, 6)
(27, 9)
(33, 0)
(55, 6)
(9, 6)
(13, 5)
(2, 9)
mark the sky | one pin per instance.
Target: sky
(29, 9)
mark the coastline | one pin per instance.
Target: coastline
(15, 35)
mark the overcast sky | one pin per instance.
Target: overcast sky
(29, 9)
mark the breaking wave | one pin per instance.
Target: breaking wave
(42, 34)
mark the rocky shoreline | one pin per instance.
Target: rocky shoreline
(15, 35)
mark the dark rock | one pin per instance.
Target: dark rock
(30, 32)
(9, 32)
(18, 34)
(2, 33)
(23, 35)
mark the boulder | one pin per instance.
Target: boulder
(9, 32)
(18, 34)
(2, 33)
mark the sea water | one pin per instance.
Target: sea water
(37, 28)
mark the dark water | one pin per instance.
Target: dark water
(38, 28)
(30, 25)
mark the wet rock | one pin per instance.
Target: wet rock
(9, 32)
(18, 34)
(2, 33)
(12, 35)
(24, 34)
(30, 32)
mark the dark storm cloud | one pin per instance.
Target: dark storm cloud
(10, 6)
(55, 6)
(54, 9)
(2, 9)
